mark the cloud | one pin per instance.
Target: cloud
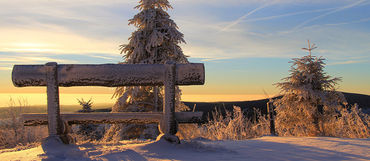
(351, 5)
(102, 57)
(32, 60)
(348, 62)
(5, 68)
(287, 15)
(65, 27)
(349, 22)
(61, 42)
(204, 41)
(83, 27)
(251, 2)
(244, 16)
(93, 19)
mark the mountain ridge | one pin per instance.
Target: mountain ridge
(208, 107)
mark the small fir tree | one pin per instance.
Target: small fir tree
(155, 41)
(86, 105)
(88, 131)
(309, 98)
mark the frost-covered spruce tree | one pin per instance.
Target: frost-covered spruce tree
(309, 98)
(155, 41)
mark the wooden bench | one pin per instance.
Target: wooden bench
(53, 75)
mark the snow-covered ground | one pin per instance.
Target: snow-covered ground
(264, 148)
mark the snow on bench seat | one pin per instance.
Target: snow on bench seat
(34, 119)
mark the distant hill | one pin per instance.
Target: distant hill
(362, 100)
(207, 107)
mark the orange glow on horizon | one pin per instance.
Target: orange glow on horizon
(99, 99)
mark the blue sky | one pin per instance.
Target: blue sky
(245, 45)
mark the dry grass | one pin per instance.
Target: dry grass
(233, 126)
(351, 123)
(346, 123)
(12, 131)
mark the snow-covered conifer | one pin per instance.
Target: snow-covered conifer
(155, 41)
(309, 97)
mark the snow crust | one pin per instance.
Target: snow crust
(264, 148)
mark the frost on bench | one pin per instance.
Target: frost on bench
(34, 119)
(108, 75)
(53, 75)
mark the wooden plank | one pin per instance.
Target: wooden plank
(189, 117)
(190, 74)
(99, 117)
(34, 119)
(109, 75)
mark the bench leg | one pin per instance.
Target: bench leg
(65, 137)
(168, 125)
(55, 124)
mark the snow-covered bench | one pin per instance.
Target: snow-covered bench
(53, 75)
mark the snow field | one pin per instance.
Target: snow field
(264, 148)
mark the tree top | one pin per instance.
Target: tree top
(310, 47)
(150, 4)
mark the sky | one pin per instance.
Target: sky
(246, 45)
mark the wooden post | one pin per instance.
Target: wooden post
(168, 125)
(270, 112)
(55, 124)
(156, 109)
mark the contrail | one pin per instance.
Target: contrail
(328, 13)
(244, 16)
(350, 22)
(289, 14)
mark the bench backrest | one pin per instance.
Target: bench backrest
(108, 75)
